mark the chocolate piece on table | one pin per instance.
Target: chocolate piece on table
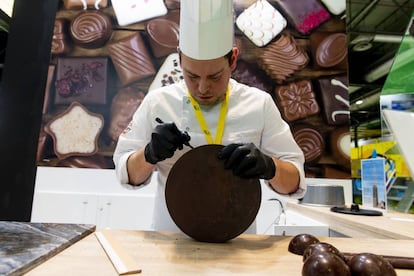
(282, 58)
(131, 59)
(83, 79)
(80, 4)
(340, 143)
(335, 99)
(305, 15)
(296, 100)
(163, 36)
(261, 22)
(96, 161)
(60, 41)
(91, 29)
(329, 50)
(124, 105)
(75, 131)
(252, 75)
(170, 72)
(310, 140)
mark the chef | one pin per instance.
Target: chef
(208, 107)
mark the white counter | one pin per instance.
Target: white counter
(94, 196)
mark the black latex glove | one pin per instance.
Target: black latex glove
(247, 161)
(165, 140)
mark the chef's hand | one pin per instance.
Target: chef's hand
(247, 161)
(165, 140)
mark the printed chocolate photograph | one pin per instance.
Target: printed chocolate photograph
(105, 58)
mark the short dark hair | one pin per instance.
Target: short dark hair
(229, 55)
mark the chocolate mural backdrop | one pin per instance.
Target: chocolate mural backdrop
(107, 55)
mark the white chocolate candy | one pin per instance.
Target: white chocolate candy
(335, 6)
(261, 22)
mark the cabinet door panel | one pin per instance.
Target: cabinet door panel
(64, 208)
(125, 212)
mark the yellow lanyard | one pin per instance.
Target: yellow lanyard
(202, 122)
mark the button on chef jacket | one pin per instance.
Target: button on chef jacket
(252, 116)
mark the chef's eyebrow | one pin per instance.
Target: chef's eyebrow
(209, 76)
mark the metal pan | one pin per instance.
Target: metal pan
(208, 202)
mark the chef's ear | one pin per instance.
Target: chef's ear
(233, 58)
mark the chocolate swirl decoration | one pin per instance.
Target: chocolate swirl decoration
(311, 142)
(91, 29)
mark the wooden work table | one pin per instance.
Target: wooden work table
(167, 253)
(391, 225)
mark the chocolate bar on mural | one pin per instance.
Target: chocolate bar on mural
(335, 99)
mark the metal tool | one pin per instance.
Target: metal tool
(184, 133)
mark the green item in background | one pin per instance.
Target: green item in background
(400, 79)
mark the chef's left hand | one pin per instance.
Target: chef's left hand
(247, 161)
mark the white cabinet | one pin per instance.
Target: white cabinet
(93, 196)
(90, 196)
(125, 212)
(64, 208)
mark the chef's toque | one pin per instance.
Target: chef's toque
(206, 28)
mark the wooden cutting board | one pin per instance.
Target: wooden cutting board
(208, 202)
(168, 253)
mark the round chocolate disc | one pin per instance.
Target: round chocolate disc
(208, 202)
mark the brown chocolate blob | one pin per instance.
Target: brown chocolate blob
(370, 264)
(321, 247)
(300, 242)
(326, 264)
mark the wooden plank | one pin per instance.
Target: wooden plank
(122, 260)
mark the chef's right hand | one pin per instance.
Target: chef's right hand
(165, 140)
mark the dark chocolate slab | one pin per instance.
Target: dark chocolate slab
(81, 79)
(26, 245)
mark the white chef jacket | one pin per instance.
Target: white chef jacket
(252, 116)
